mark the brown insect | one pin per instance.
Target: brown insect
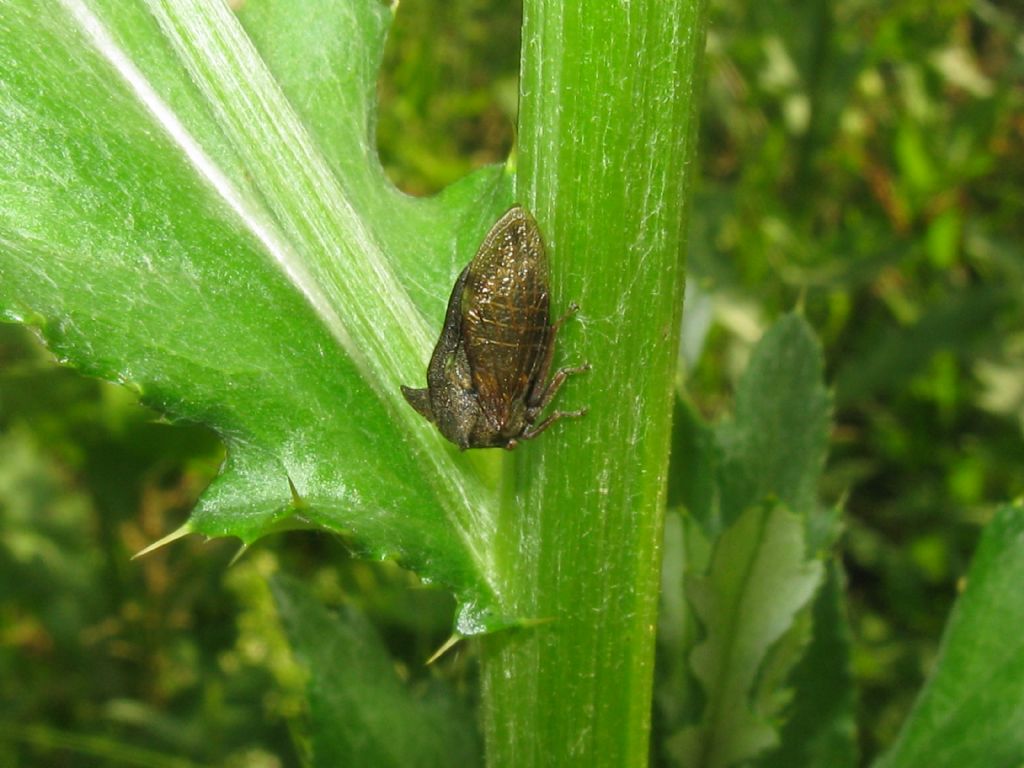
(487, 381)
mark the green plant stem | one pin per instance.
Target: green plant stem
(607, 116)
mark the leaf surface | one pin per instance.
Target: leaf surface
(360, 712)
(777, 442)
(758, 581)
(971, 711)
(819, 731)
(175, 217)
(768, 457)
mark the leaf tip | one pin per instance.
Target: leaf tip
(297, 501)
(446, 646)
(180, 533)
(238, 555)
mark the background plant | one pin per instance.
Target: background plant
(876, 183)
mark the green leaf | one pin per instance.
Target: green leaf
(819, 730)
(971, 711)
(328, 72)
(693, 480)
(685, 551)
(174, 218)
(773, 449)
(777, 442)
(360, 712)
(759, 580)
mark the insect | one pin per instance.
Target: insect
(487, 381)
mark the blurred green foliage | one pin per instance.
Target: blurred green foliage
(859, 159)
(863, 160)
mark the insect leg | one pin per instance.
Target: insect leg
(572, 310)
(531, 432)
(551, 388)
(542, 391)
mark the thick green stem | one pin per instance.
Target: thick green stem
(606, 147)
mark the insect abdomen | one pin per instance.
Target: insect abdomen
(505, 314)
(487, 381)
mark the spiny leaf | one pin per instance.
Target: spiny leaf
(759, 580)
(773, 449)
(776, 444)
(819, 731)
(169, 220)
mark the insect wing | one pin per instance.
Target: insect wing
(505, 307)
